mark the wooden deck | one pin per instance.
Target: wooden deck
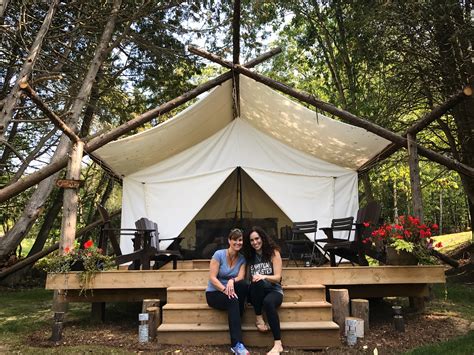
(362, 281)
(305, 315)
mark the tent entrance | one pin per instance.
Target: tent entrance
(238, 203)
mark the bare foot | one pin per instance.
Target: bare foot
(276, 350)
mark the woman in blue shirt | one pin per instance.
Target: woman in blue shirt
(227, 289)
(265, 292)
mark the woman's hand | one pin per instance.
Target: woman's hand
(230, 289)
(258, 277)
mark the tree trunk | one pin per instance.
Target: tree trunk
(369, 195)
(450, 39)
(48, 223)
(11, 100)
(35, 205)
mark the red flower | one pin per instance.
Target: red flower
(88, 244)
(366, 224)
(67, 250)
(435, 226)
(399, 227)
(438, 245)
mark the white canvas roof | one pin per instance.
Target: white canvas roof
(305, 162)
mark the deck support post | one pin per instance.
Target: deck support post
(98, 312)
(340, 306)
(417, 304)
(57, 334)
(360, 309)
(153, 321)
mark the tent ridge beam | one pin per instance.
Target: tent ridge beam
(344, 115)
(236, 58)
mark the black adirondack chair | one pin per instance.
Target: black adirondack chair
(145, 244)
(353, 250)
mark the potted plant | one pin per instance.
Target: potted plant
(406, 242)
(88, 261)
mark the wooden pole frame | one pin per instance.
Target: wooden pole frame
(344, 115)
(419, 125)
(97, 142)
(415, 184)
(236, 57)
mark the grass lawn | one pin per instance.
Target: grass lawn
(452, 241)
(24, 312)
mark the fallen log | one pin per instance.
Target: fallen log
(444, 258)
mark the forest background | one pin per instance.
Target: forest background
(98, 64)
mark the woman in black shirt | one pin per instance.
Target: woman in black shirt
(265, 292)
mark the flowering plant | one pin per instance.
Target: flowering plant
(88, 261)
(409, 234)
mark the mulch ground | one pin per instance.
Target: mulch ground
(420, 329)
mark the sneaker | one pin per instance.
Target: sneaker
(239, 349)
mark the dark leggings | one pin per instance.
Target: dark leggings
(268, 300)
(233, 306)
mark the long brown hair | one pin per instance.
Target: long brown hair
(268, 244)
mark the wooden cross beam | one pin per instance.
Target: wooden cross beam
(97, 142)
(419, 125)
(57, 121)
(344, 115)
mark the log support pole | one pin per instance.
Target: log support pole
(360, 309)
(415, 184)
(150, 302)
(57, 334)
(154, 321)
(340, 306)
(70, 202)
(98, 312)
(417, 304)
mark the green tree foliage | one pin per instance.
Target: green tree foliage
(391, 62)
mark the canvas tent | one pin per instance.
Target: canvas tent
(298, 164)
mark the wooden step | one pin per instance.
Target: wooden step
(289, 312)
(303, 335)
(292, 293)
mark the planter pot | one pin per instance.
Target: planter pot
(400, 257)
(77, 265)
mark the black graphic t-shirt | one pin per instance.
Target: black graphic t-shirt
(264, 267)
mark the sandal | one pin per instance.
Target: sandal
(262, 326)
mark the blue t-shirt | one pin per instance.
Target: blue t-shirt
(225, 273)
